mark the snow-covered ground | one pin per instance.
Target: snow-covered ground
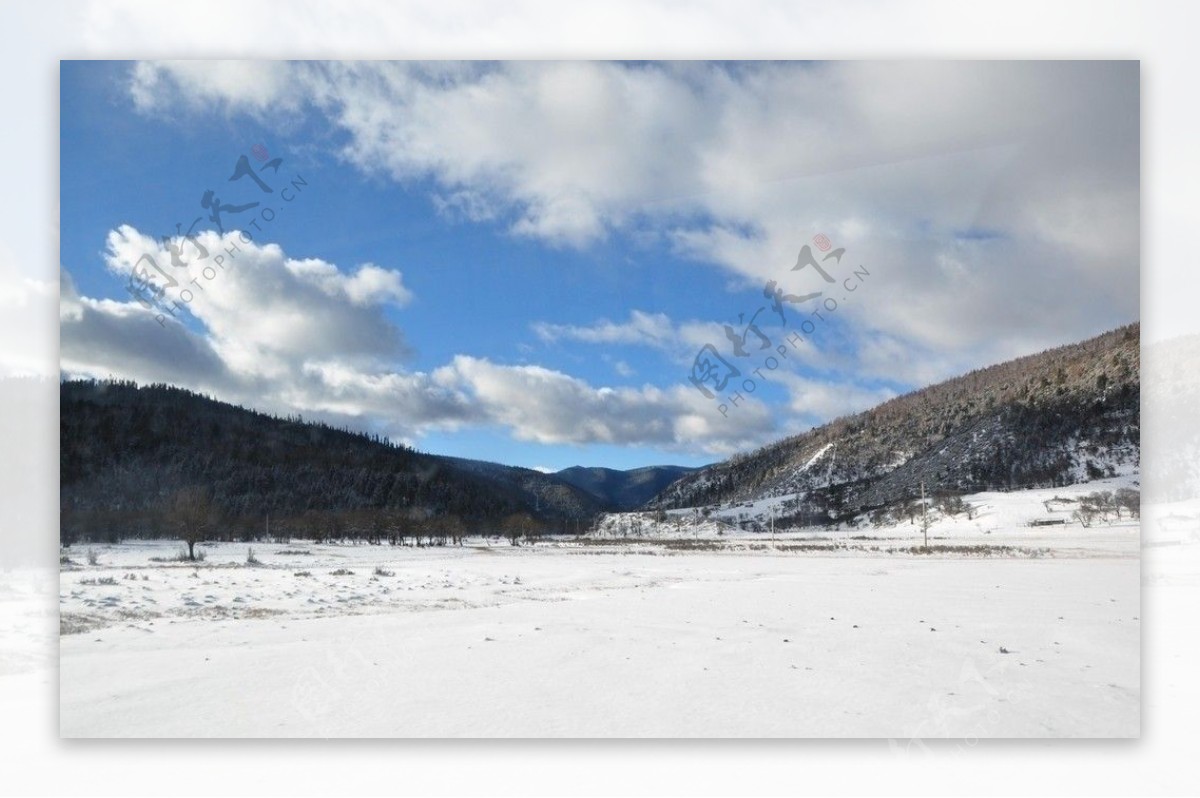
(1033, 519)
(1004, 630)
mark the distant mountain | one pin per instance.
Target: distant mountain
(623, 490)
(1062, 416)
(542, 492)
(126, 451)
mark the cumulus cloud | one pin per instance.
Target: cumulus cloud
(825, 375)
(304, 336)
(252, 86)
(104, 338)
(248, 324)
(815, 401)
(995, 205)
(992, 197)
(547, 406)
(266, 313)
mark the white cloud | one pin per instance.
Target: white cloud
(995, 205)
(370, 285)
(655, 330)
(900, 162)
(251, 86)
(547, 406)
(648, 329)
(270, 327)
(815, 401)
(301, 335)
(102, 338)
(264, 313)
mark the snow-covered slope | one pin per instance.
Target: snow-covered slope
(1061, 417)
(1043, 518)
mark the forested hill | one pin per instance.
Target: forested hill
(623, 490)
(1062, 416)
(128, 450)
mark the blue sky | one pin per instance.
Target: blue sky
(519, 262)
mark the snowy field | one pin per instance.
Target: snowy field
(1004, 631)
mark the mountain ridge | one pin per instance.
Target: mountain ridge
(1040, 420)
(624, 489)
(1047, 419)
(126, 449)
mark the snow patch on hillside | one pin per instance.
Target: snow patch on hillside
(1043, 516)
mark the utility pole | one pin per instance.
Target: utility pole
(772, 526)
(924, 517)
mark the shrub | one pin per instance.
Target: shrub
(381, 571)
(182, 557)
(951, 505)
(1128, 499)
(250, 558)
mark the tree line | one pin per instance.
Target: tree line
(134, 460)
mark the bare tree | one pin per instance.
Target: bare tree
(1129, 499)
(519, 525)
(454, 528)
(193, 516)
